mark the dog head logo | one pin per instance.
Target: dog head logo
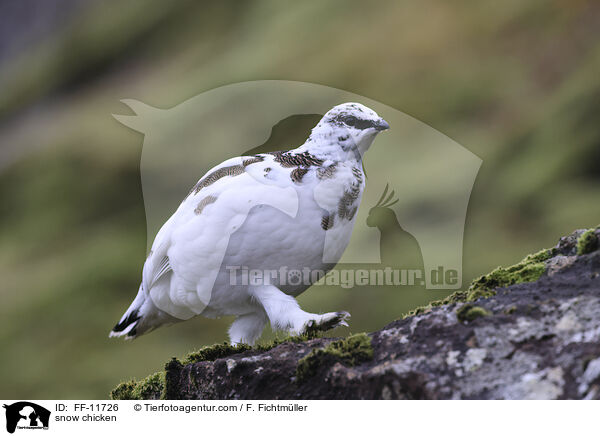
(26, 415)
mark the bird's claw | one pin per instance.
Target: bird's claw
(327, 321)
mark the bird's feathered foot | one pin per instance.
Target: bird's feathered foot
(247, 328)
(284, 313)
(327, 321)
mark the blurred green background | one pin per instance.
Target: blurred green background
(517, 83)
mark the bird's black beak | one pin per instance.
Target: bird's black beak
(382, 125)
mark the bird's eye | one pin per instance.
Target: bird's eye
(350, 121)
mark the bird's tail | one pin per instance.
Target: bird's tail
(128, 324)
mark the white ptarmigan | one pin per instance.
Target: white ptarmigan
(276, 212)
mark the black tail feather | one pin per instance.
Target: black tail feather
(131, 318)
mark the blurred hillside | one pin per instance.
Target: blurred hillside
(514, 82)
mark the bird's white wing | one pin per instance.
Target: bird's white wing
(188, 251)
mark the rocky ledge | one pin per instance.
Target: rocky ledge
(528, 331)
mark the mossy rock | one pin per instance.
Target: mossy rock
(587, 242)
(350, 351)
(213, 352)
(150, 388)
(153, 387)
(529, 269)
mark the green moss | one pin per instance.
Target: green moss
(217, 351)
(587, 242)
(528, 270)
(350, 351)
(151, 387)
(214, 352)
(124, 391)
(469, 312)
(173, 370)
(297, 339)
(147, 389)
(456, 297)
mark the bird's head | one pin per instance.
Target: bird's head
(351, 126)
